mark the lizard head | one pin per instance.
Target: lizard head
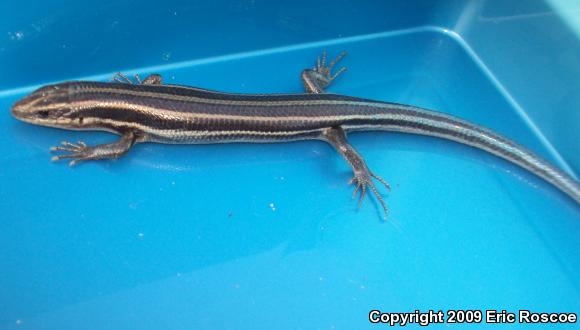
(46, 106)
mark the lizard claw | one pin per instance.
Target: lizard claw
(79, 151)
(316, 80)
(152, 79)
(362, 180)
(123, 79)
(325, 71)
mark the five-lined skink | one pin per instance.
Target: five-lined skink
(150, 111)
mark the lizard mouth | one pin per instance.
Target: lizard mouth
(22, 108)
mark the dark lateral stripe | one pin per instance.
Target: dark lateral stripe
(132, 114)
(337, 105)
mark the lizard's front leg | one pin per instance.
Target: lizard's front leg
(81, 152)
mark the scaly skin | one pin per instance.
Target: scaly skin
(153, 112)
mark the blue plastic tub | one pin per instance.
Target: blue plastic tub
(266, 236)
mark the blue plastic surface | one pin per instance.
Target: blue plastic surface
(266, 236)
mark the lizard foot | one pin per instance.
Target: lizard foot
(318, 79)
(153, 79)
(79, 151)
(363, 179)
(326, 70)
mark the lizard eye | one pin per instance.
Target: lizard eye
(43, 114)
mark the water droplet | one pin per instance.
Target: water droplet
(166, 56)
(18, 35)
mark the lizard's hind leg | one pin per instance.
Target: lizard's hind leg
(362, 176)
